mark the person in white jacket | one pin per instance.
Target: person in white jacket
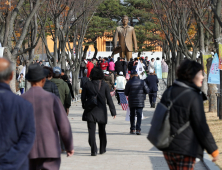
(120, 84)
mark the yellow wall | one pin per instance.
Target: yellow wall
(101, 44)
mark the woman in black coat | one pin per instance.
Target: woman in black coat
(99, 113)
(191, 143)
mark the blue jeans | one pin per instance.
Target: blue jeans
(22, 90)
(136, 111)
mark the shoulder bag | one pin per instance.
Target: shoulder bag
(159, 134)
(93, 101)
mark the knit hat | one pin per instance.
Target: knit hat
(107, 72)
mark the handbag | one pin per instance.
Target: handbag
(92, 102)
(159, 134)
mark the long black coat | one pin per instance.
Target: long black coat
(151, 82)
(136, 91)
(189, 107)
(99, 113)
(118, 67)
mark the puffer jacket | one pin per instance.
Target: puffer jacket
(51, 87)
(136, 91)
(197, 137)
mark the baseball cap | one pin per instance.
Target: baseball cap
(121, 73)
(57, 70)
(133, 72)
(106, 72)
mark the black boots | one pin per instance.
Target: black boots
(153, 105)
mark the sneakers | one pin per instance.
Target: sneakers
(132, 131)
(138, 132)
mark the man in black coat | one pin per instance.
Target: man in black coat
(118, 66)
(152, 82)
(136, 91)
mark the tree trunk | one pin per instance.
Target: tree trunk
(169, 78)
(173, 71)
(96, 50)
(75, 82)
(13, 81)
(216, 42)
(212, 89)
(85, 51)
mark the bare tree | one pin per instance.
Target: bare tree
(67, 24)
(11, 37)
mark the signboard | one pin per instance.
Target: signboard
(214, 75)
(205, 57)
(220, 56)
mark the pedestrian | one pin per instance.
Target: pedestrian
(49, 85)
(108, 80)
(98, 114)
(130, 64)
(99, 61)
(111, 65)
(191, 143)
(120, 84)
(21, 83)
(158, 69)
(118, 65)
(40, 63)
(152, 82)
(151, 65)
(63, 88)
(89, 67)
(136, 91)
(84, 79)
(147, 62)
(82, 67)
(66, 79)
(94, 62)
(104, 65)
(17, 132)
(124, 65)
(164, 69)
(50, 120)
(62, 72)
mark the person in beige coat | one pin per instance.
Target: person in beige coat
(127, 38)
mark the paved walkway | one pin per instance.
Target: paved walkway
(124, 151)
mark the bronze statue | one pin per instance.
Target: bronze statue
(127, 38)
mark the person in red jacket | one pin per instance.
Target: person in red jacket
(89, 66)
(104, 65)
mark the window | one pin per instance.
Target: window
(109, 46)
